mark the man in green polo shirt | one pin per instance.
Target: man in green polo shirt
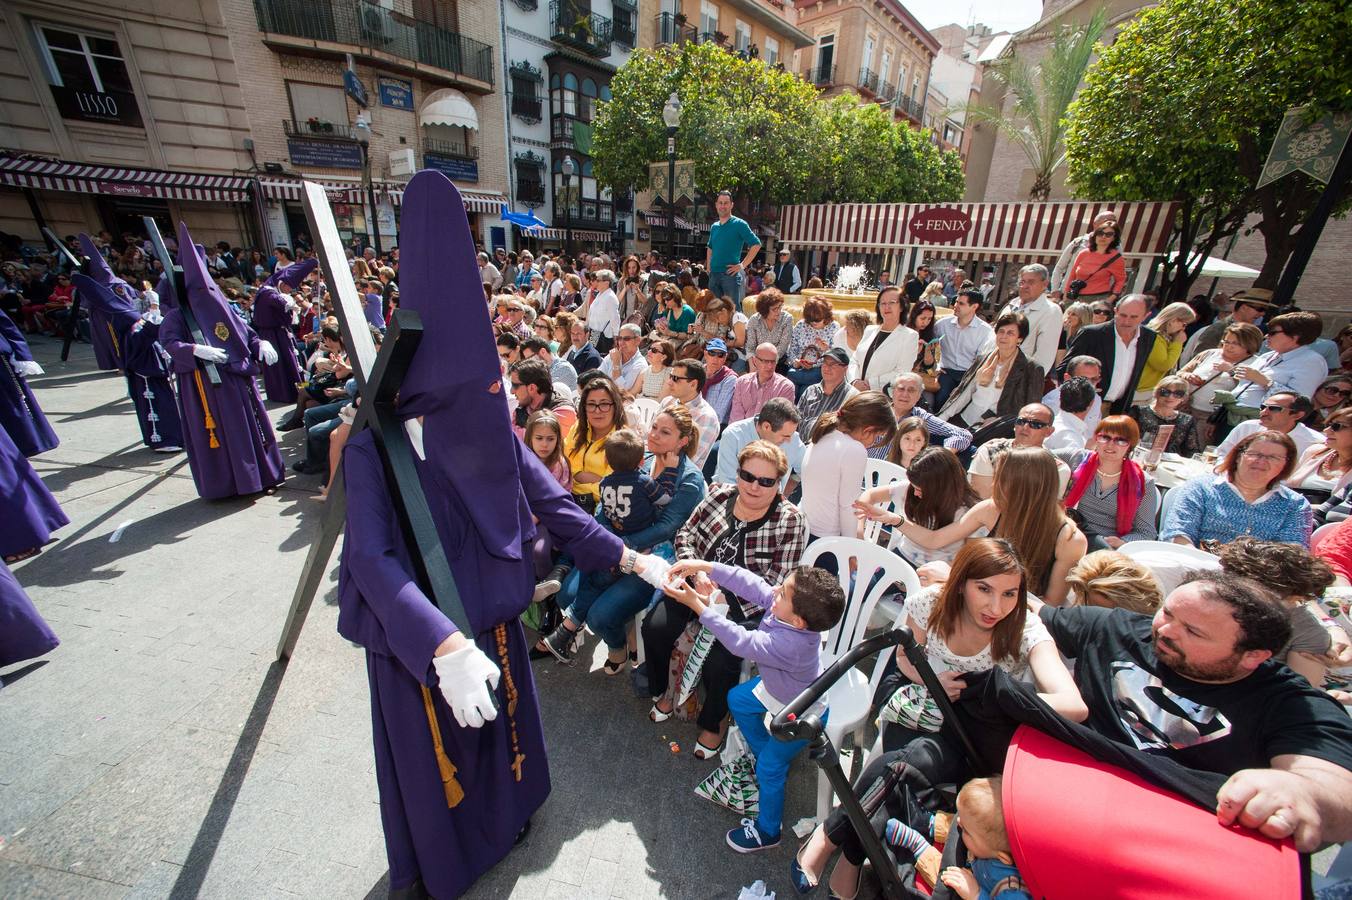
(728, 238)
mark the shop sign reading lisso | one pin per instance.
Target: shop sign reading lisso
(940, 225)
(113, 107)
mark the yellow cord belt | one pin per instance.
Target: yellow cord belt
(207, 420)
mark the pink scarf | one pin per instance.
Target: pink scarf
(1130, 489)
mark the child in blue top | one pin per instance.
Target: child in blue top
(990, 873)
(629, 496)
(786, 648)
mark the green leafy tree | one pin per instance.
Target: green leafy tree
(1041, 95)
(1185, 104)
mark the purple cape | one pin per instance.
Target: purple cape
(272, 322)
(23, 633)
(28, 511)
(482, 513)
(102, 332)
(20, 414)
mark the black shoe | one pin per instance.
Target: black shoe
(304, 468)
(292, 423)
(563, 643)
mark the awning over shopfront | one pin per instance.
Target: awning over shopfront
(448, 107)
(561, 234)
(991, 232)
(660, 220)
(59, 175)
(351, 192)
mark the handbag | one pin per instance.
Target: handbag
(1073, 289)
(733, 786)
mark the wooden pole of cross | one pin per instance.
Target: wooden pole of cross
(174, 272)
(378, 379)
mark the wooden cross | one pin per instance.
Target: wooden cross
(174, 272)
(378, 379)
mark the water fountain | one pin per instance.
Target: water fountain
(851, 289)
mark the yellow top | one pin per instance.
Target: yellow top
(587, 458)
(1162, 359)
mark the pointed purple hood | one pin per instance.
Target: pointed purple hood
(293, 274)
(220, 326)
(454, 380)
(104, 290)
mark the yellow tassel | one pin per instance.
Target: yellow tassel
(112, 334)
(207, 421)
(454, 792)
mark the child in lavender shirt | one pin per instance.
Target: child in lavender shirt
(787, 649)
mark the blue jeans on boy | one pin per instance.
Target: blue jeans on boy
(772, 755)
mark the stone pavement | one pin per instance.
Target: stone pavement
(160, 751)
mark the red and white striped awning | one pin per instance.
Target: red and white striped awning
(352, 191)
(660, 220)
(994, 232)
(59, 175)
(561, 234)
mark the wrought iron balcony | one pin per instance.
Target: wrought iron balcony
(868, 80)
(623, 30)
(528, 5)
(314, 128)
(911, 107)
(822, 76)
(528, 109)
(450, 148)
(576, 26)
(366, 26)
(670, 31)
(530, 191)
(886, 91)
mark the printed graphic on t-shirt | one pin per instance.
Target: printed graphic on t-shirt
(615, 500)
(1159, 719)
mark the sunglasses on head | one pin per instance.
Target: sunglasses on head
(1173, 392)
(1272, 331)
(757, 479)
(1032, 423)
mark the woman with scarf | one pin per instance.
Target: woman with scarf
(999, 384)
(1112, 496)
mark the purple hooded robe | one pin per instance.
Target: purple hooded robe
(20, 414)
(482, 487)
(28, 511)
(272, 322)
(23, 632)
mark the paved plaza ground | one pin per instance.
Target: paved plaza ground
(160, 751)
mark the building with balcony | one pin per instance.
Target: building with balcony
(958, 71)
(764, 29)
(558, 60)
(874, 48)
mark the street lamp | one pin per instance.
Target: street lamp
(671, 114)
(569, 167)
(363, 129)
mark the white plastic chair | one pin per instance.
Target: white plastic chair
(640, 412)
(1159, 505)
(1167, 502)
(850, 698)
(880, 473)
(888, 607)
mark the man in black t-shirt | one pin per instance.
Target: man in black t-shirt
(1198, 684)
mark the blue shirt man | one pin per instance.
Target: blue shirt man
(728, 239)
(777, 422)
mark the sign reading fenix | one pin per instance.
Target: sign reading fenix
(940, 225)
(331, 154)
(113, 107)
(452, 167)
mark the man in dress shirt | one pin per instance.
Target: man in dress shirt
(1280, 412)
(1083, 367)
(828, 394)
(761, 384)
(1070, 427)
(625, 365)
(1121, 347)
(961, 337)
(1044, 317)
(777, 422)
(687, 380)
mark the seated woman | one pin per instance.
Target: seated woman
(1114, 498)
(888, 347)
(750, 525)
(719, 321)
(1291, 364)
(1325, 468)
(660, 356)
(851, 332)
(1027, 514)
(1330, 397)
(1113, 580)
(1246, 498)
(607, 602)
(1167, 399)
(810, 339)
(977, 620)
(999, 383)
(1213, 370)
(934, 494)
(771, 324)
(675, 317)
(600, 409)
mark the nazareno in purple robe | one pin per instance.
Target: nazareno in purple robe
(245, 458)
(28, 511)
(272, 322)
(23, 632)
(139, 355)
(104, 341)
(103, 331)
(482, 488)
(20, 414)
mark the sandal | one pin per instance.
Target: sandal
(20, 557)
(656, 715)
(703, 752)
(610, 667)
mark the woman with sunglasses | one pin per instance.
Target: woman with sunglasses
(1330, 397)
(1114, 498)
(1213, 370)
(1247, 497)
(1167, 399)
(750, 525)
(1327, 467)
(1098, 272)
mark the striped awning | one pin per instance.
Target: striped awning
(351, 192)
(993, 232)
(660, 220)
(561, 234)
(59, 175)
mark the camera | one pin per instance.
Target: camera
(1073, 289)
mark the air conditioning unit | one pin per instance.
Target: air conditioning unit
(402, 163)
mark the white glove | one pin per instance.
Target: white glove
(655, 569)
(267, 354)
(291, 305)
(209, 354)
(468, 679)
(27, 368)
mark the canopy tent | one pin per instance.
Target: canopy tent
(1215, 267)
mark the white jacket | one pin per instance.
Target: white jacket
(896, 354)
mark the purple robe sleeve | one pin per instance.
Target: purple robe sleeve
(746, 585)
(414, 627)
(176, 341)
(593, 548)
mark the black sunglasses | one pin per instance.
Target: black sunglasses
(1272, 407)
(1106, 233)
(749, 478)
(683, 378)
(1032, 423)
(1341, 392)
(1172, 392)
(1338, 426)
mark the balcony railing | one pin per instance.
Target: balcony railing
(450, 148)
(822, 76)
(561, 126)
(669, 31)
(911, 107)
(313, 128)
(528, 109)
(528, 5)
(530, 191)
(623, 29)
(357, 23)
(868, 80)
(576, 26)
(585, 213)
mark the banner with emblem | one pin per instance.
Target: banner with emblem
(1310, 147)
(685, 181)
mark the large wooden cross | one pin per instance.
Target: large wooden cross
(378, 379)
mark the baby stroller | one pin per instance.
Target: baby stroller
(1066, 850)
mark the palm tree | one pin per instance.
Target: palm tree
(1042, 93)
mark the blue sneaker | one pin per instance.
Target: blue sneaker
(748, 839)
